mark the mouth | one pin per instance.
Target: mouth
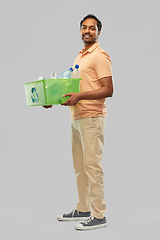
(87, 36)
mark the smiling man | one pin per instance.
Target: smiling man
(88, 112)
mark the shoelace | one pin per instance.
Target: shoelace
(72, 212)
(88, 220)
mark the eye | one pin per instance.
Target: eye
(93, 28)
(83, 27)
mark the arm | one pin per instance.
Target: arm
(105, 91)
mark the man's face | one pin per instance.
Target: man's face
(89, 31)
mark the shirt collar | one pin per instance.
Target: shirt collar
(91, 49)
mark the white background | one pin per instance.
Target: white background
(37, 180)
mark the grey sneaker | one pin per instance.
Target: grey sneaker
(74, 215)
(91, 223)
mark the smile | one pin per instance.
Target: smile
(87, 36)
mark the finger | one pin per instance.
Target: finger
(67, 95)
(47, 106)
(66, 103)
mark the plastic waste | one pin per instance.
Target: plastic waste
(40, 78)
(55, 76)
(66, 74)
(75, 72)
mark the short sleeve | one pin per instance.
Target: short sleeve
(102, 65)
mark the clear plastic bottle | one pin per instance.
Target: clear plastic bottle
(40, 78)
(75, 72)
(55, 76)
(66, 74)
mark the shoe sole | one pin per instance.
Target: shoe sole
(82, 228)
(61, 218)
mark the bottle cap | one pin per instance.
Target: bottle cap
(71, 69)
(77, 66)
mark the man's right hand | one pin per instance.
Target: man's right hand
(47, 106)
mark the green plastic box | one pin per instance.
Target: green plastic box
(50, 91)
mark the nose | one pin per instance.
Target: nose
(87, 30)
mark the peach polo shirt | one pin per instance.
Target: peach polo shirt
(94, 64)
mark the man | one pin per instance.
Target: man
(88, 113)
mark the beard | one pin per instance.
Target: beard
(88, 40)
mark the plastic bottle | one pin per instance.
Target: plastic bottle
(40, 78)
(55, 76)
(75, 72)
(66, 74)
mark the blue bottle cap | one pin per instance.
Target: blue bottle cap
(71, 69)
(77, 66)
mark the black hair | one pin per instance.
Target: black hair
(99, 24)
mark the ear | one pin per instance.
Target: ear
(99, 33)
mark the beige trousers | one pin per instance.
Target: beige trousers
(87, 149)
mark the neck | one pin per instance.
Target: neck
(88, 45)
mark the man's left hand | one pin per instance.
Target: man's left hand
(73, 100)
